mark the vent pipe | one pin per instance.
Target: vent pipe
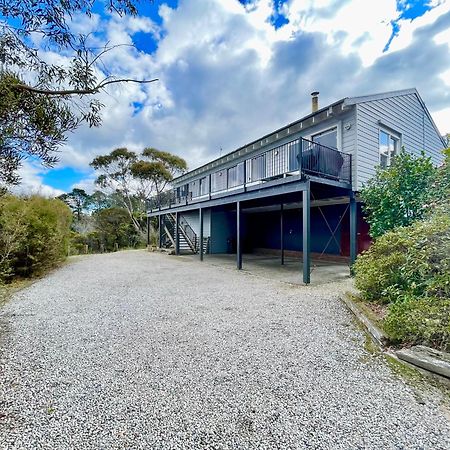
(314, 101)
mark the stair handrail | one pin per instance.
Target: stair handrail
(189, 233)
(186, 230)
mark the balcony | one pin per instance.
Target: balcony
(299, 156)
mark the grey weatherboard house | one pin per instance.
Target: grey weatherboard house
(296, 189)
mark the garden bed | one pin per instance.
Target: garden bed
(372, 316)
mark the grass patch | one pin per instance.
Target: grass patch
(375, 313)
(422, 385)
(8, 290)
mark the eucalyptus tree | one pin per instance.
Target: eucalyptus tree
(115, 176)
(137, 177)
(41, 102)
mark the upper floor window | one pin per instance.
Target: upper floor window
(327, 138)
(388, 148)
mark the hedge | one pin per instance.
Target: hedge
(34, 233)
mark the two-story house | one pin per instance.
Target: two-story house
(296, 188)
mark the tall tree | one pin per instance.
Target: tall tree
(99, 200)
(136, 177)
(41, 102)
(167, 164)
(116, 176)
(78, 201)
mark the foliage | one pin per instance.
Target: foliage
(166, 167)
(34, 234)
(40, 101)
(397, 196)
(420, 320)
(135, 177)
(77, 200)
(407, 261)
(30, 125)
(99, 200)
(409, 269)
(115, 169)
(114, 227)
(440, 187)
(447, 139)
(111, 230)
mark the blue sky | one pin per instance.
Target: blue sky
(232, 70)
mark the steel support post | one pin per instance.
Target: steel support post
(200, 245)
(177, 233)
(282, 233)
(353, 229)
(307, 234)
(160, 231)
(238, 237)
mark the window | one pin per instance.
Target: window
(236, 175)
(327, 138)
(219, 181)
(388, 148)
(204, 186)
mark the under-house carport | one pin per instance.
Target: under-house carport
(303, 223)
(323, 270)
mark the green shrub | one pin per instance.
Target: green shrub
(398, 195)
(406, 261)
(420, 321)
(34, 234)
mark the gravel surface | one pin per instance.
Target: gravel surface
(148, 351)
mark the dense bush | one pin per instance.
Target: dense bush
(34, 234)
(398, 195)
(408, 266)
(405, 261)
(111, 229)
(409, 269)
(420, 320)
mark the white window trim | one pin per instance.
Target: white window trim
(391, 133)
(337, 125)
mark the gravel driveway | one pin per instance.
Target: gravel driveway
(148, 351)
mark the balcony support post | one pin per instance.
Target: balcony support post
(200, 245)
(238, 236)
(282, 233)
(306, 209)
(177, 233)
(160, 225)
(148, 231)
(353, 229)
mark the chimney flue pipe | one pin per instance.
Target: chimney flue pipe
(315, 101)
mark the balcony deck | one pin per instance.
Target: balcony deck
(280, 169)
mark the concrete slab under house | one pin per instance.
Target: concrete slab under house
(293, 193)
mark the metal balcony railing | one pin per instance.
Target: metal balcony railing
(298, 156)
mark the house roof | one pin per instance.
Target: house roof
(369, 98)
(292, 127)
(309, 121)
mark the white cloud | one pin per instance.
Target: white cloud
(442, 120)
(444, 36)
(87, 184)
(32, 181)
(407, 27)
